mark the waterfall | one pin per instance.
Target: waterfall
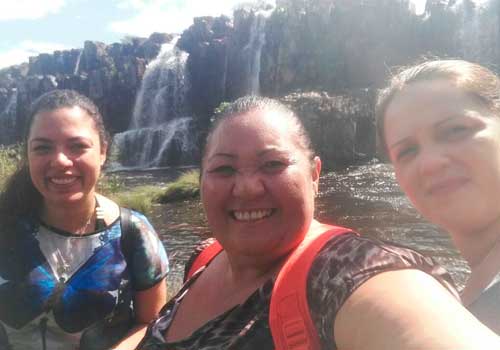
(77, 65)
(162, 95)
(253, 49)
(160, 129)
(10, 108)
(8, 119)
(479, 31)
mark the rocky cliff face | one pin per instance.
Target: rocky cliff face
(109, 74)
(341, 126)
(325, 58)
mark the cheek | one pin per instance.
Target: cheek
(297, 194)
(211, 191)
(406, 181)
(34, 166)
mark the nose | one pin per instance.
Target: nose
(62, 159)
(248, 185)
(432, 161)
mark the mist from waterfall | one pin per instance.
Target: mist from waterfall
(160, 129)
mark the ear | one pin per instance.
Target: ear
(315, 173)
(104, 151)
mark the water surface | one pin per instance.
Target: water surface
(365, 198)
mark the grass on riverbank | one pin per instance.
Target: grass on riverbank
(142, 198)
(185, 187)
(139, 198)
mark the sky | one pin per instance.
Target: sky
(30, 27)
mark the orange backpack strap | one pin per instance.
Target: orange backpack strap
(204, 258)
(290, 321)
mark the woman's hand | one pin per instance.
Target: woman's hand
(408, 309)
(133, 338)
(147, 305)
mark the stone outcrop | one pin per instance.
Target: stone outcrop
(342, 127)
(109, 74)
(206, 41)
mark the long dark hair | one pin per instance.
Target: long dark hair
(20, 198)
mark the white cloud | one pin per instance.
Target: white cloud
(28, 9)
(167, 15)
(25, 49)
(420, 4)
(130, 4)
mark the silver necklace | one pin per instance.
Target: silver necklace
(97, 213)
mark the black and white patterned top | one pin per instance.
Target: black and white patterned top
(343, 264)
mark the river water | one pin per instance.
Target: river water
(365, 198)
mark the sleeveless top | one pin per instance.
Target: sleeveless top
(53, 284)
(343, 264)
(487, 306)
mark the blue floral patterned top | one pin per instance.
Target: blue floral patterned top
(53, 284)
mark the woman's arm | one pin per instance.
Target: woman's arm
(147, 305)
(408, 309)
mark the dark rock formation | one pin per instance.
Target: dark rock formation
(342, 49)
(108, 74)
(341, 127)
(206, 41)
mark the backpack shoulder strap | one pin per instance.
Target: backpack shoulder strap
(127, 236)
(289, 318)
(204, 258)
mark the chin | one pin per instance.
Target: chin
(66, 200)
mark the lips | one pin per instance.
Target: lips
(251, 215)
(63, 183)
(66, 180)
(446, 186)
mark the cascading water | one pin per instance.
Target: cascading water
(160, 129)
(8, 119)
(10, 107)
(253, 49)
(479, 31)
(77, 65)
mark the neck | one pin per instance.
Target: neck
(78, 218)
(243, 268)
(482, 251)
(248, 269)
(476, 246)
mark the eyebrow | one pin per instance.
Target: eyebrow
(47, 140)
(269, 150)
(40, 139)
(223, 155)
(233, 156)
(439, 123)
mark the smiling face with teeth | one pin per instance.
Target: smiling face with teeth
(65, 156)
(258, 184)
